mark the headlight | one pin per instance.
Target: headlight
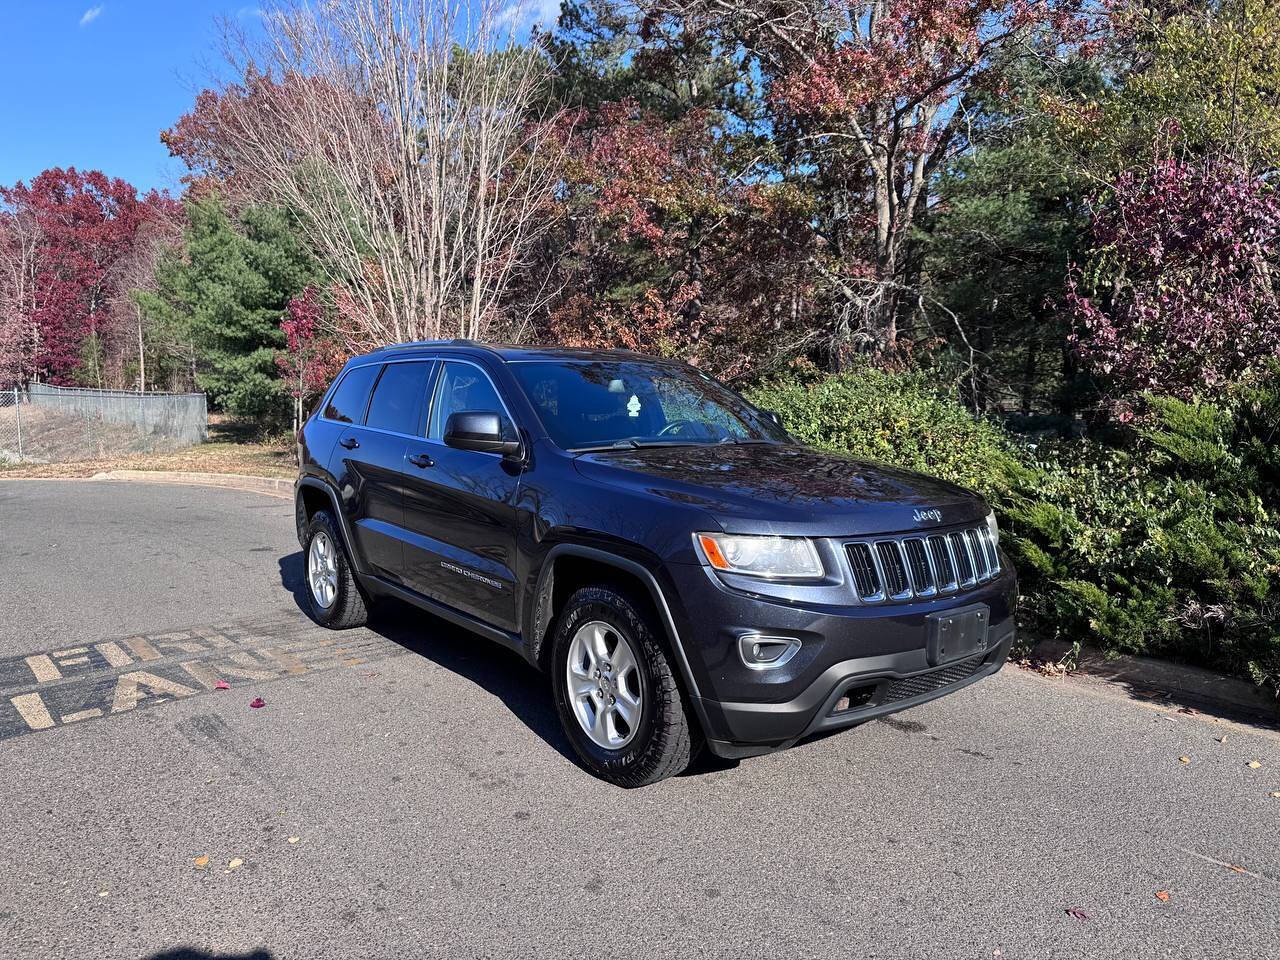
(781, 558)
(992, 529)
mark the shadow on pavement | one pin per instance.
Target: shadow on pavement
(500, 671)
(193, 953)
(505, 674)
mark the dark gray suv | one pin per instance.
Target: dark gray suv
(685, 572)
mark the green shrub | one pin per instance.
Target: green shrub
(1168, 546)
(898, 418)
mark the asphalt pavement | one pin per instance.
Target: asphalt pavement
(405, 790)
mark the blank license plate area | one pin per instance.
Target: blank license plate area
(955, 634)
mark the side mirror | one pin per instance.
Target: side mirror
(774, 417)
(478, 430)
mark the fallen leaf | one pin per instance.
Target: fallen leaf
(1254, 764)
(1235, 869)
(1185, 759)
(1162, 895)
(222, 685)
(1223, 738)
(294, 839)
(257, 702)
(234, 863)
(104, 893)
(1187, 710)
(1276, 794)
(202, 861)
(1077, 913)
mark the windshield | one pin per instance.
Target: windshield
(592, 404)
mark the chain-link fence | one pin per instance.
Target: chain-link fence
(10, 426)
(44, 423)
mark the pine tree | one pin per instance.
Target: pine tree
(227, 293)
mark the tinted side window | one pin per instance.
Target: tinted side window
(462, 388)
(396, 397)
(348, 401)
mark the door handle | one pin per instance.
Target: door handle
(349, 442)
(421, 460)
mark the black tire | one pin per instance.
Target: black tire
(663, 743)
(349, 607)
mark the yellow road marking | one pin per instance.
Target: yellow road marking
(112, 653)
(202, 673)
(129, 689)
(208, 673)
(141, 648)
(213, 636)
(82, 715)
(32, 709)
(291, 665)
(42, 668)
(177, 641)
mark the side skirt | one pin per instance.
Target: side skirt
(383, 587)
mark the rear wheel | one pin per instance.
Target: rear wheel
(615, 691)
(334, 597)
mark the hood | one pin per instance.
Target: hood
(787, 490)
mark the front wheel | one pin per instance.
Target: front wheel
(615, 691)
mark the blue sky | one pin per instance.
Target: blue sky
(91, 84)
(94, 90)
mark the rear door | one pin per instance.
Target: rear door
(371, 451)
(459, 513)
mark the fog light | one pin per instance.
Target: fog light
(842, 704)
(764, 653)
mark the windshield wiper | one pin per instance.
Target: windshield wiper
(631, 443)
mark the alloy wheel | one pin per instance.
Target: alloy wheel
(322, 570)
(603, 685)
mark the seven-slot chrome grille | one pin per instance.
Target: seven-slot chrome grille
(920, 566)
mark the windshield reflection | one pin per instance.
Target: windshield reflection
(621, 404)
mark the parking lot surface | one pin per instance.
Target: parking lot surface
(405, 790)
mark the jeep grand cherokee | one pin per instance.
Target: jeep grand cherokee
(685, 572)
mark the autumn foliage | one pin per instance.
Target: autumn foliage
(665, 254)
(1180, 298)
(1015, 192)
(66, 240)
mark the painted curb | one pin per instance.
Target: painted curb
(1192, 685)
(272, 486)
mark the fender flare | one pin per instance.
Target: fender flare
(656, 594)
(316, 483)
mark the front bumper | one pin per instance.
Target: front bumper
(875, 686)
(875, 655)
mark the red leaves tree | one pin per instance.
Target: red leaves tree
(668, 251)
(1180, 297)
(868, 102)
(310, 360)
(66, 240)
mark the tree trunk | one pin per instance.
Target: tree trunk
(142, 359)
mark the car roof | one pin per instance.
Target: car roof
(508, 351)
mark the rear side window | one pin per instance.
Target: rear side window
(347, 403)
(397, 398)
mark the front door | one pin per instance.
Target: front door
(459, 513)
